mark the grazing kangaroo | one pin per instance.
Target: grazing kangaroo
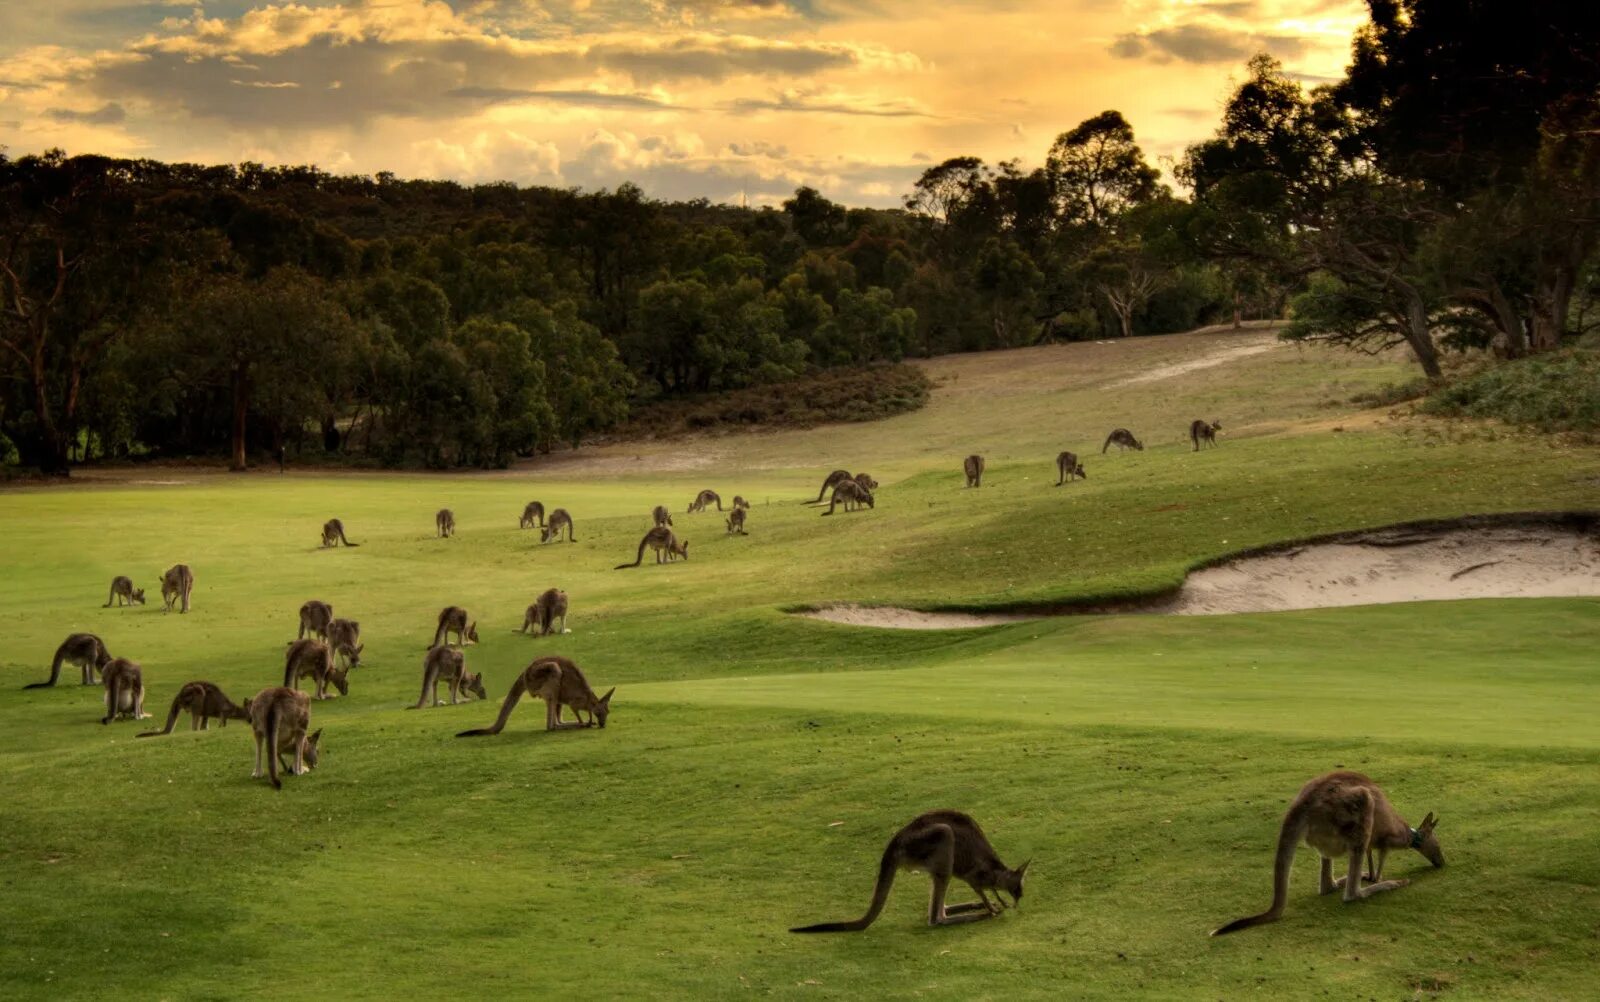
(829, 483)
(973, 465)
(177, 583)
(85, 650)
(736, 522)
(944, 844)
(659, 515)
(454, 619)
(204, 701)
(279, 719)
(559, 520)
(740, 502)
(314, 619)
(676, 549)
(865, 480)
(344, 637)
(558, 682)
(851, 495)
(1068, 468)
(545, 610)
(1201, 431)
(704, 498)
(313, 658)
(660, 539)
(333, 533)
(123, 592)
(1123, 439)
(1342, 814)
(532, 515)
(124, 682)
(448, 664)
(444, 523)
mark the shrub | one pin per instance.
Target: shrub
(1555, 392)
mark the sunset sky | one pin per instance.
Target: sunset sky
(688, 98)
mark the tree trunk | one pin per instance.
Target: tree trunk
(1238, 314)
(1552, 298)
(241, 410)
(53, 455)
(1419, 336)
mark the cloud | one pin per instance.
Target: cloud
(589, 98)
(1202, 43)
(109, 113)
(834, 103)
(502, 156)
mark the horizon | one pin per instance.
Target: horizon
(717, 99)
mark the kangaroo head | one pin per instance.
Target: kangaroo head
(355, 654)
(472, 633)
(308, 749)
(1424, 841)
(867, 497)
(602, 709)
(474, 685)
(138, 595)
(341, 680)
(1011, 882)
(1079, 472)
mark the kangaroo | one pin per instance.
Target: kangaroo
(279, 719)
(1068, 468)
(545, 610)
(204, 701)
(851, 495)
(448, 664)
(532, 515)
(444, 523)
(1123, 439)
(704, 498)
(123, 592)
(973, 466)
(344, 637)
(676, 549)
(740, 502)
(85, 650)
(559, 520)
(333, 533)
(313, 658)
(177, 583)
(661, 539)
(1201, 431)
(945, 844)
(736, 522)
(865, 480)
(314, 619)
(829, 483)
(558, 682)
(454, 619)
(1342, 814)
(124, 682)
(660, 516)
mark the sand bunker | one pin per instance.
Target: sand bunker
(1516, 556)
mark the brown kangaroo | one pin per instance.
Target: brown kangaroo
(545, 610)
(660, 539)
(85, 650)
(123, 592)
(532, 515)
(676, 549)
(344, 637)
(314, 619)
(849, 494)
(973, 466)
(1068, 468)
(124, 682)
(944, 844)
(736, 522)
(558, 682)
(559, 520)
(333, 533)
(177, 583)
(1342, 814)
(659, 516)
(444, 523)
(865, 480)
(454, 619)
(204, 701)
(313, 658)
(704, 498)
(1203, 431)
(829, 483)
(279, 719)
(448, 664)
(740, 502)
(1123, 439)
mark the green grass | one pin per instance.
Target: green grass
(1143, 763)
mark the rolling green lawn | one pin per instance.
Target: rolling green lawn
(756, 762)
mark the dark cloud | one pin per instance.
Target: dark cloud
(1202, 43)
(110, 113)
(826, 106)
(586, 98)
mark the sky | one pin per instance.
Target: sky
(723, 99)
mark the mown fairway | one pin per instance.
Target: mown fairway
(1142, 763)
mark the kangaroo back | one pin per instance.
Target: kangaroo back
(1289, 836)
(517, 689)
(887, 868)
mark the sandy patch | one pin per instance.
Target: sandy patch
(1206, 361)
(1491, 558)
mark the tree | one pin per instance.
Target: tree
(1098, 170)
(818, 221)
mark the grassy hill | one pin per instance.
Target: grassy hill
(756, 762)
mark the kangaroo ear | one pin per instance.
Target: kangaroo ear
(1024, 867)
(360, 648)
(606, 699)
(1429, 822)
(316, 737)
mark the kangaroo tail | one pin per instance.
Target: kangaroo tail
(1294, 829)
(880, 894)
(636, 560)
(110, 598)
(1103, 448)
(172, 716)
(517, 689)
(438, 633)
(273, 714)
(346, 541)
(288, 671)
(55, 672)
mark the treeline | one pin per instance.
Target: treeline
(1444, 194)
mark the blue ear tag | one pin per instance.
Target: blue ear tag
(1416, 839)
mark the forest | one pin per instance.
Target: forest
(1444, 194)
